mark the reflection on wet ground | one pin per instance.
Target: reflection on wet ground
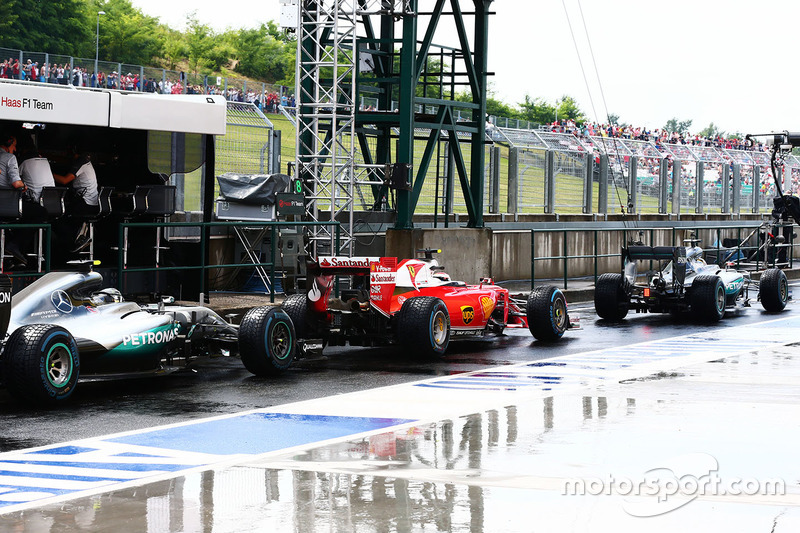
(504, 469)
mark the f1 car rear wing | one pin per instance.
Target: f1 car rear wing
(343, 264)
(676, 254)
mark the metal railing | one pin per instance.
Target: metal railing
(762, 253)
(43, 250)
(269, 265)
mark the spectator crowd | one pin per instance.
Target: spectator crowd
(267, 100)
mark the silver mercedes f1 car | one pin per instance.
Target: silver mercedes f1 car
(65, 327)
(684, 282)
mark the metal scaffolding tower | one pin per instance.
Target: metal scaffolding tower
(349, 50)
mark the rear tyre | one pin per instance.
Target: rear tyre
(708, 298)
(773, 290)
(296, 306)
(423, 326)
(610, 298)
(41, 364)
(547, 313)
(267, 341)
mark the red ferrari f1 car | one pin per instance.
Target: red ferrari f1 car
(413, 303)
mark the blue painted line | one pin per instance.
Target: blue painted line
(508, 375)
(65, 450)
(132, 467)
(64, 477)
(502, 383)
(134, 454)
(256, 433)
(443, 385)
(4, 502)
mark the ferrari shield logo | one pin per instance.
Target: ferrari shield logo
(467, 313)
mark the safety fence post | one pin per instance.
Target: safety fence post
(494, 176)
(549, 181)
(699, 187)
(633, 171)
(736, 201)
(588, 175)
(756, 187)
(513, 180)
(726, 188)
(602, 189)
(676, 186)
(663, 186)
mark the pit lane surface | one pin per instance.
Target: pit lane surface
(227, 390)
(223, 386)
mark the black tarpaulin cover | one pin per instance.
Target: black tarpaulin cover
(255, 189)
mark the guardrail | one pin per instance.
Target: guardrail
(764, 252)
(205, 227)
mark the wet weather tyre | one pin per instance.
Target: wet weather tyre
(547, 313)
(296, 306)
(773, 290)
(267, 341)
(610, 298)
(708, 298)
(41, 364)
(423, 326)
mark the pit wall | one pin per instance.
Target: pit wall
(505, 254)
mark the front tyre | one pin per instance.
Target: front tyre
(547, 313)
(423, 326)
(41, 364)
(773, 290)
(266, 341)
(708, 298)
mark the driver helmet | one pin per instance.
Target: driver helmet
(442, 276)
(107, 296)
(695, 252)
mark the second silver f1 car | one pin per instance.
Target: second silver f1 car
(684, 282)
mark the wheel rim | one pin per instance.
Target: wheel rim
(59, 365)
(784, 290)
(720, 298)
(560, 313)
(281, 341)
(439, 328)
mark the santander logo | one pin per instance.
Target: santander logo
(346, 262)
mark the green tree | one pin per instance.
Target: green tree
(261, 55)
(126, 34)
(568, 109)
(207, 51)
(682, 127)
(537, 110)
(175, 48)
(711, 131)
(9, 29)
(54, 26)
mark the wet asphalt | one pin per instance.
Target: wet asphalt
(222, 385)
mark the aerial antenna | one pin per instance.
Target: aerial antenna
(624, 205)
